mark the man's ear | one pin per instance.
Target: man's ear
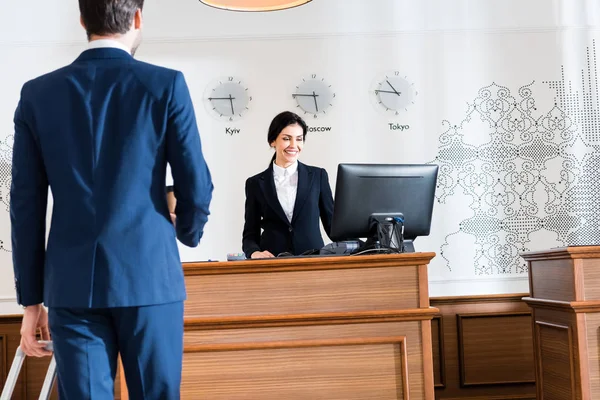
(137, 19)
(81, 22)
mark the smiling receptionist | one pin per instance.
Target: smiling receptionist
(288, 198)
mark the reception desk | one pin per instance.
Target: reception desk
(565, 299)
(352, 327)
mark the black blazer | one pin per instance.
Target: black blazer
(314, 200)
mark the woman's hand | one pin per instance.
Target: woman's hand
(262, 254)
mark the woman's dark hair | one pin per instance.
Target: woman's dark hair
(108, 17)
(280, 122)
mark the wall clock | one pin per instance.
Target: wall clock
(393, 93)
(227, 98)
(314, 95)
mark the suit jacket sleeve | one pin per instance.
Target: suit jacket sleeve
(326, 202)
(28, 202)
(251, 234)
(191, 177)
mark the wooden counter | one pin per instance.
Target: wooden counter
(565, 299)
(352, 327)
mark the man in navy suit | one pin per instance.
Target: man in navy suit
(100, 132)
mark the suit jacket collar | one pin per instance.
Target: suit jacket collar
(267, 184)
(103, 53)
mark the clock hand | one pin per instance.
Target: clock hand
(231, 101)
(386, 91)
(395, 91)
(302, 94)
(222, 98)
(315, 97)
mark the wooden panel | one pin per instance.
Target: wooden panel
(552, 280)
(482, 343)
(508, 397)
(495, 349)
(437, 344)
(36, 373)
(593, 346)
(294, 292)
(351, 331)
(4, 364)
(374, 368)
(556, 361)
(591, 277)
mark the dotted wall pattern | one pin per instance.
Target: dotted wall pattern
(6, 146)
(536, 171)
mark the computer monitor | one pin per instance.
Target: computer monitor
(367, 195)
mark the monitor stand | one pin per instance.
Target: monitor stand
(387, 233)
(408, 246)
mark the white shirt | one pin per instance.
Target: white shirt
(103, 43)
(286, 185)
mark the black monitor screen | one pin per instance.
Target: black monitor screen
(363, 190)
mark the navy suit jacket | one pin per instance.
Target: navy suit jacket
(100, 132)
(314, 200)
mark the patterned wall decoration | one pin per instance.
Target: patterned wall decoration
(5, 180)
(524, 170)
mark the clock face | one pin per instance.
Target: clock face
(314, 96)
(227, 99)
(393, 93)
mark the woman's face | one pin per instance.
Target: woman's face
(288, 145)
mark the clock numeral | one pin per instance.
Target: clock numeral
(313, 76)
(250, 98)
(333, 96)
(230, 118)
(315, 116)
(397, 73)
(230, 79)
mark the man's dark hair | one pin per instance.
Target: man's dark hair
(108, 17)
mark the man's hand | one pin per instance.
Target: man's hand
(173, 218)
(34, 318)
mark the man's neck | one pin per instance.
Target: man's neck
(109, 41)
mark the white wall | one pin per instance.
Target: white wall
(448, 49)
